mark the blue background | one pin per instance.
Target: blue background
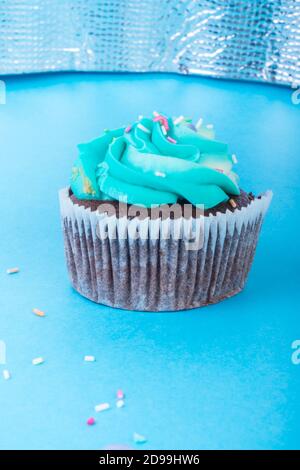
(219, 377)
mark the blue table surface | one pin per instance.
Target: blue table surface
(220, 377)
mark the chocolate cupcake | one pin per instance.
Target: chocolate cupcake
(155, 220)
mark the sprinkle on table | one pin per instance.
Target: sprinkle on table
(139, 438)
(6, 374)
(37, 361)
(89, 358)
(38, 312)
(102, 407)
(12, 270)
(232, 203)
(120, 394)
(120, 403)
(91, 421)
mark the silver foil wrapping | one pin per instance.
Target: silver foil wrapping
(249, 39)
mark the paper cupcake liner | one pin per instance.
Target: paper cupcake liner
(159, 272)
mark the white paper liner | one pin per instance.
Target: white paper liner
(159, 271)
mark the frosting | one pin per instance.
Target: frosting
(156, 161)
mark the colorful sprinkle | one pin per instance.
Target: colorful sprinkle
(120, 394)
(89, 358)
(178, 120)
(37, 361)
(234, 159)
(170, 139)
(139, 438)
(155, 114)
(160, 173)
(164, 130)
(143, 128)
(102, 407)
(219, 170)
(91, 421)
(140, 117)
(12, 270)
(128, 129)
(162, 120)
(120, 403)
(232, 203)
(191, 126)
(38, 312)
(209, 126)
(6, 374)
(199, 123)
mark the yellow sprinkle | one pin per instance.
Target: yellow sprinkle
(232, 203)
(12, 270)
(38, 312)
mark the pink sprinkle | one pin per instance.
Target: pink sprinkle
(120, 394)
(91, 421)
(128, 129)
(170, 139)
(219, 170)
(162, 120)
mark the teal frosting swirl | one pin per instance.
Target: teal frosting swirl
(156, 161)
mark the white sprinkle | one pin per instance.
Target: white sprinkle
(120, 403)
(164, 130)
(6, 374)
(102, 407)
(234, 159)
(159, 173)
(199, 123)
(178, 120)
(12, 270)
(37, 361)
(140, 117)
(155, 113)
(143, 128)
(209, 126)
(138, 438)
(89, 358)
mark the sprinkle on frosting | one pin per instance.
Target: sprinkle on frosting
(143, 128)
(123, 164)
(199, 123)
(234, 158)
(178, 120)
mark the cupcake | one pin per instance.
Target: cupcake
(154, 218)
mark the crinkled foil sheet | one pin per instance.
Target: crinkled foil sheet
(249, 39)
